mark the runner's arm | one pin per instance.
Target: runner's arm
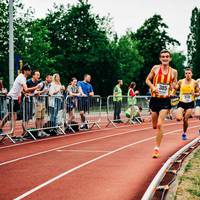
(178, 85)
(197, 91)
(175, 82)
(149, 78)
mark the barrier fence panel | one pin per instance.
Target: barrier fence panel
(43, 113)
(116, 110)
(84, 112)
(6, 117)
(127, 109)
(142, 102)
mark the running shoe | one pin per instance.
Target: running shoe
(156, 153)
(184, 136)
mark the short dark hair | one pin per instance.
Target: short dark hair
(48, 75)
(165, 51)
(26, 67)
(33, 72)
(132, 85)
(73, 78)
(119, 81)
(86, 75)
(188, 69)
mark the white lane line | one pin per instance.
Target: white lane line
(78, 133)
(69, 145)
(82, 151)
(67, 135)
(87, 163)
(77, 143)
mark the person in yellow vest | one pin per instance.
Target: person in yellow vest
(162, 80)
(188, 91)
(117, 101)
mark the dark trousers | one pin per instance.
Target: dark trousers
(117, 109)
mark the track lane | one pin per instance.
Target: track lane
(53, 164)
(33, 149)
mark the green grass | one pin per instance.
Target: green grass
(189, 186)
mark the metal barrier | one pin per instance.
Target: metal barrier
(6, 117)
(43, 113)
(84, 112)
(127, 109)
(143, 104)
(148, 195)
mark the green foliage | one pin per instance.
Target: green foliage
(129, 60)
(152, 37)
(193, 43)
(71, 40)
(33, 45)
(80, 45)
(178, 62)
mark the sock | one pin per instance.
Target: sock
(156, 148)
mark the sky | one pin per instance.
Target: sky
(131, 14)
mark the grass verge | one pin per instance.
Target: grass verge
(189, 185)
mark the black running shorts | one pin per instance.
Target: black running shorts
(186, 106)
(158, 104)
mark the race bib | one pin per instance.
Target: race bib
(187, 98)
(163, 89)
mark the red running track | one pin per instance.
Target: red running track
(98, 165)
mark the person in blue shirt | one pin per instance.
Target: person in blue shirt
(86, 91)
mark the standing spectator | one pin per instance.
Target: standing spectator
(45, 85)
(3, 90)
(117, 100)
(131, 94)
(132, 101)
(72, 93)
(44, 88)
(56, 103)
(3, 93)
(15, 94)
(41, 104)
(28, 96)
(86, 91)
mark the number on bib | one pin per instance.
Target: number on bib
(163, 89)
(187, 98)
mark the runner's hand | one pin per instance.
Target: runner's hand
(155, 90)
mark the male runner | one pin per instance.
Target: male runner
(188, 91)
(164, 80)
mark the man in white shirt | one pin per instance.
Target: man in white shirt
(15, 93)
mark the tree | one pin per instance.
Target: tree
(178, 62)
(152, 37)
(4, 20)
(80, 45)
(33, 45)
(129, 60)
(193, 43)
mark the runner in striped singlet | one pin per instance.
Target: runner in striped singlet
(164, 81)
